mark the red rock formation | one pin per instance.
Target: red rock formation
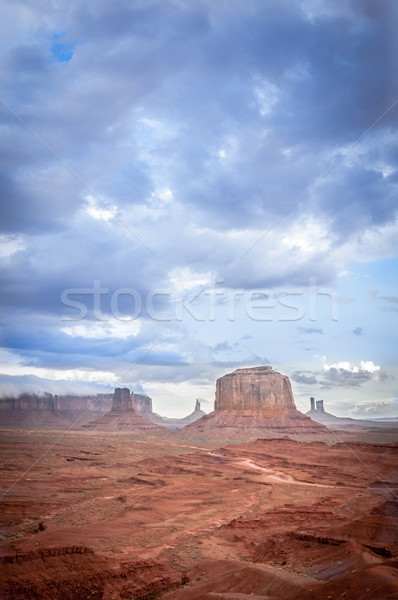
(122, 401)
(258, 388)
(123, 416)
(252, 403)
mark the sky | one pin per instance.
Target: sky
(194, 186)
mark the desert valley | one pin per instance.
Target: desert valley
(104, 499)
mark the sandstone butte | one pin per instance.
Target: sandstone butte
(254, 402)
(123, 415)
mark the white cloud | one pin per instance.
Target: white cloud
(344, 373)
(187, 279)
(9, 244)
(377, 242)
(267, 95)
(308, 237)
(11, 364)
(102, 330)
(98, 211)
(77, 375)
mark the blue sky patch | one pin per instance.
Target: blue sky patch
(62, 52)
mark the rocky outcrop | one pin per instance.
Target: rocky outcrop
(122, 401)
(253, 403)
(123, 416)
(258, 388)
(77, 572)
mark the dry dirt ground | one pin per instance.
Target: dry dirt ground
(112, 516)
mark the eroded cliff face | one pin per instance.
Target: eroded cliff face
(143, 404)
(48, 411)
(254, 389)
(122, 401)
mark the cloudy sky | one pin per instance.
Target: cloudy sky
(191, 186)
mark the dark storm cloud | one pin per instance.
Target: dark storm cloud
(235, 109)
(359, 191)
(342, 377)
(208, 71)
(299, 377)
(223, 346)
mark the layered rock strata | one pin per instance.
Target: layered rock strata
(255, 389)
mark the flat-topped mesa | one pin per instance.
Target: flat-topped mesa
(253, 403)
(254, 389)
(122, 401)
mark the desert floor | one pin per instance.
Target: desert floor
(123, 516)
